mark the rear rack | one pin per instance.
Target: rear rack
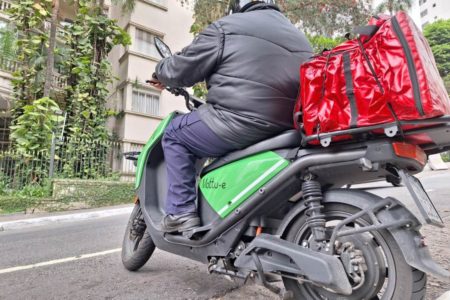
(437, 128)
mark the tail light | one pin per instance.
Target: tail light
(410, 151)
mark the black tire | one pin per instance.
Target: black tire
(398, 281)
(136, 251)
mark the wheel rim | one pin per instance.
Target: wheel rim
(380, 281)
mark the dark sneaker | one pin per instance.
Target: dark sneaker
(173, 223)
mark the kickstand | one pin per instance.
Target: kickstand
(262, 280)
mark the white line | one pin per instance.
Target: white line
(252, 185)
(58, 261)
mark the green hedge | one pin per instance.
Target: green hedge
(13, 204)
(94, 193)
(64, 194)
(446, 156)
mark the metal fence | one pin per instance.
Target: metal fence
(66, 159)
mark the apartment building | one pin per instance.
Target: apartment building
(432, 10)
(143, 107)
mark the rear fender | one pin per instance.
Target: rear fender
(409, 239)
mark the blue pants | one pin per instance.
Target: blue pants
(185, 140)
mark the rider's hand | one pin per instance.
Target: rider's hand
(157, 84)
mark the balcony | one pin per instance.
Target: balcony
(8, 65)
(4, 5)
(59, 82)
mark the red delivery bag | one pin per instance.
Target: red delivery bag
(387, 74)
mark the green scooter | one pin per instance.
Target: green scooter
(280, 210)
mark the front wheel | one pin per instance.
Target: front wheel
(137, 245)
(373, 261)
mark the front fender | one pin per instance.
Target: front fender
(409, 239)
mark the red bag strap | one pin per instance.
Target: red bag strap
(322, 93)
(324, 76)
(372, 70)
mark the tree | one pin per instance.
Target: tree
(326, 17)
(438, 35)
(320, 43)
(392, 6)
(127, 6)
(33, 129)
(8, 40)
(51, 48)
(29, 17)
(206, 12)
(317, 17)
(89, 39)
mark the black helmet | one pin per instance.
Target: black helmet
(239, 6)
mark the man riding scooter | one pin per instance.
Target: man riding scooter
(250, 61)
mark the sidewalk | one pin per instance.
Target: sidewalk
(21, 220)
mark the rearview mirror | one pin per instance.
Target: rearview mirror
(162, 48)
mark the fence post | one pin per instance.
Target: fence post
(52, 156)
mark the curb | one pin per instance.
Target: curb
(24, 223)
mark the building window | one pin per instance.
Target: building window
(144, 43)
(145, 102)
(434, 4)
(422, 2)
(424, 13)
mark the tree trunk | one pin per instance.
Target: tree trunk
(51, 49)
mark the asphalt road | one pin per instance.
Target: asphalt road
(64, 273)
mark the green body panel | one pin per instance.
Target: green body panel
(156, 136)
(229, 186)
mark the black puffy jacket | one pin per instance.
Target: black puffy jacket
(251, 63)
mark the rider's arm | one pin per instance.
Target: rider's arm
(194, 63)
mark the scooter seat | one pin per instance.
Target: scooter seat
(288, 139)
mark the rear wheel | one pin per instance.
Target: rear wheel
(137, 245)
(373, 261)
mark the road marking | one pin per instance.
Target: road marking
(58, 261)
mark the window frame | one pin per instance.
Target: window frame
(143, 110)
(141, 45)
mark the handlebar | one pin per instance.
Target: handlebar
(192, 102)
